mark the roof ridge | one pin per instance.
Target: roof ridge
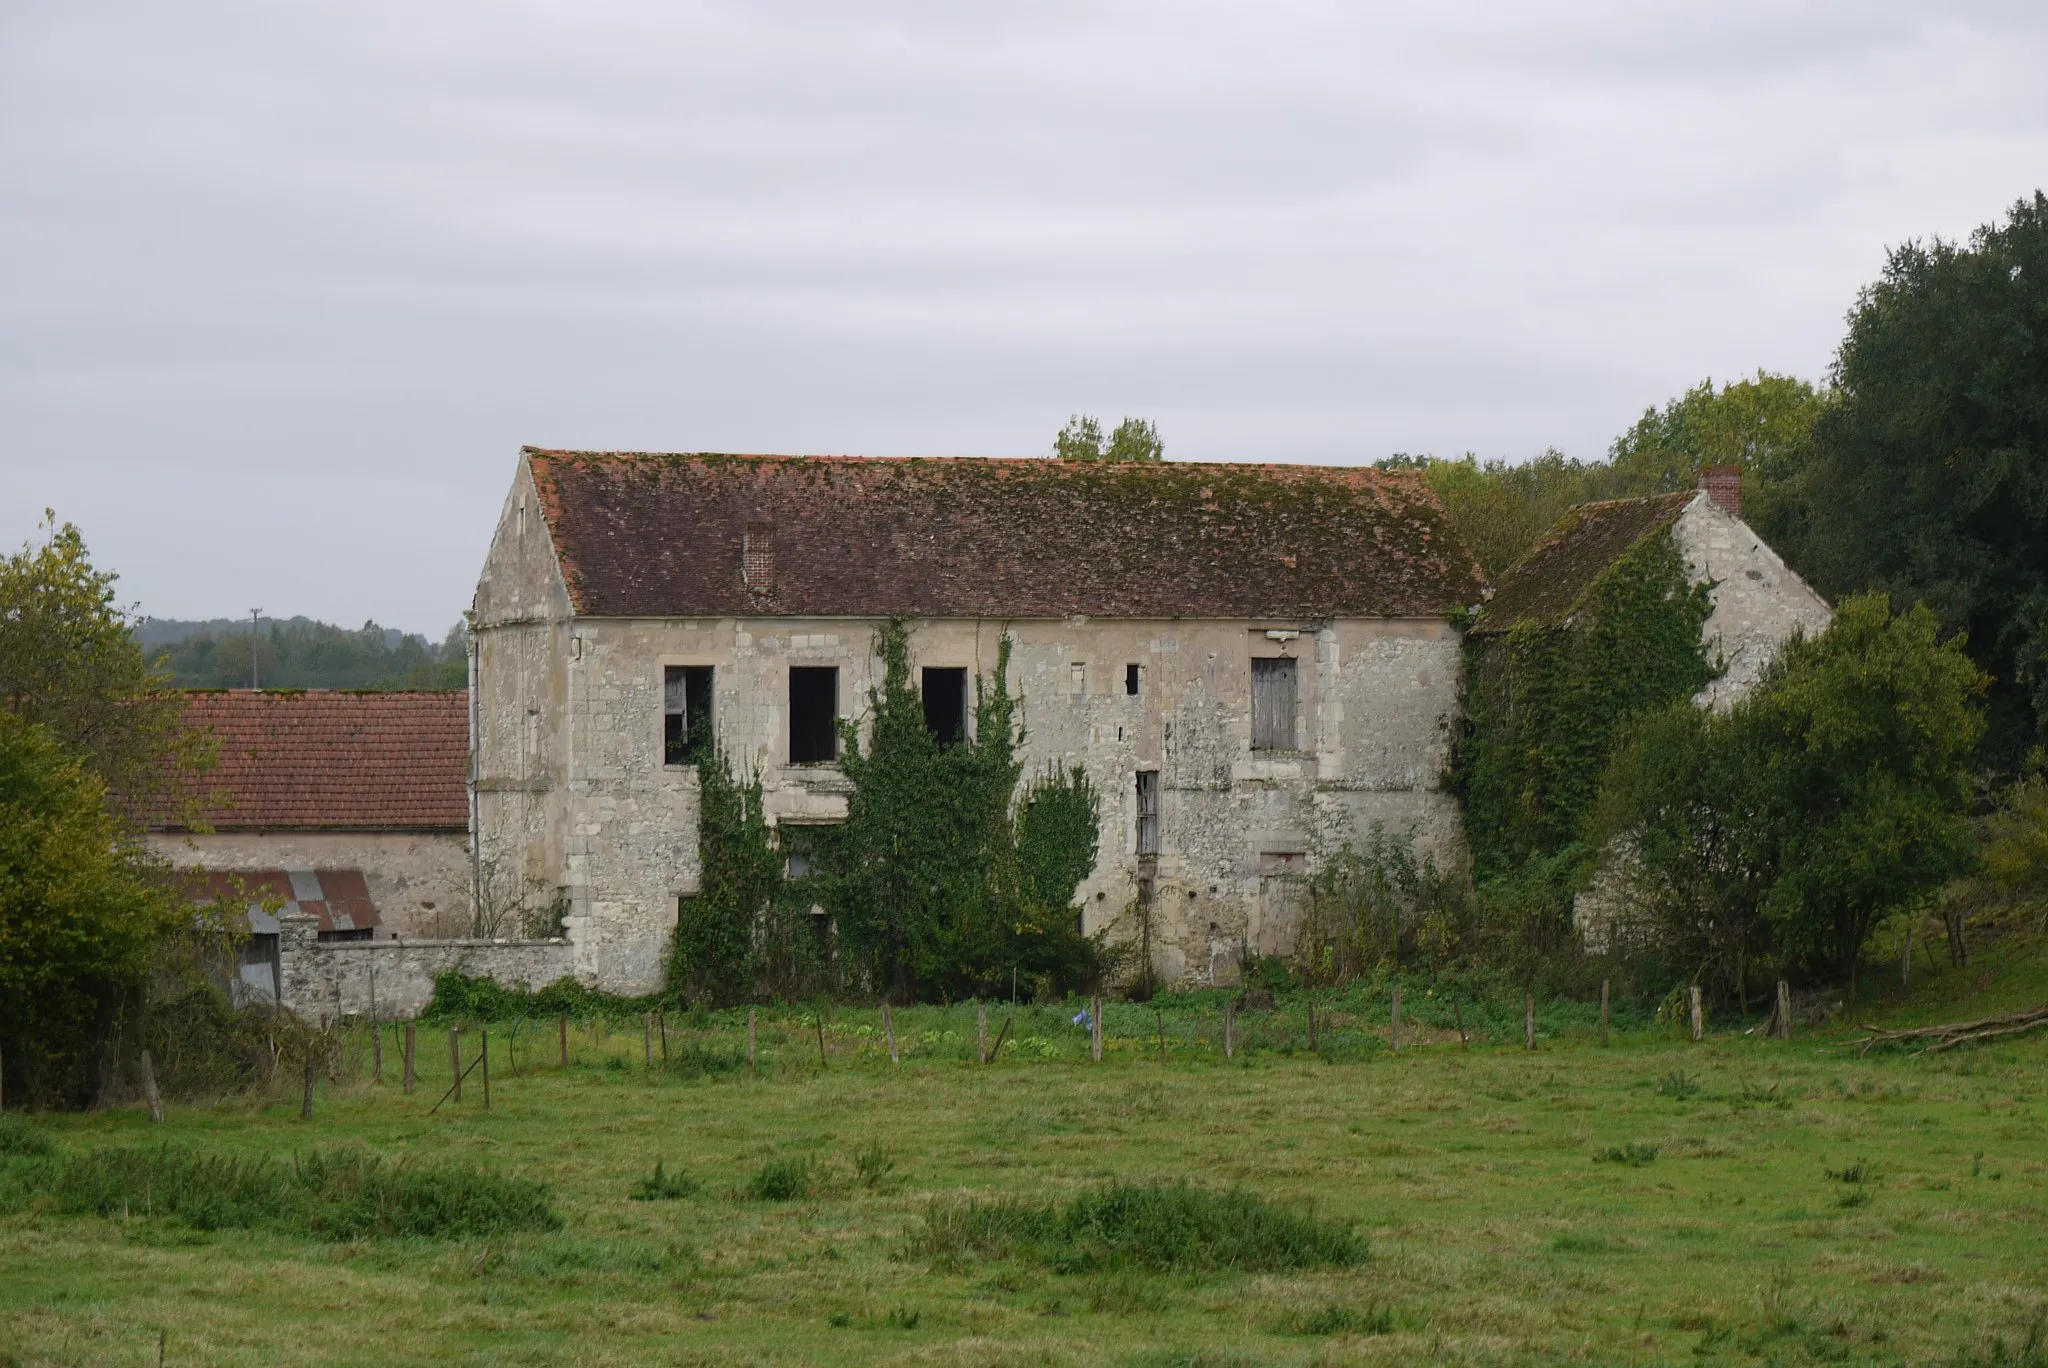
(1030, 462)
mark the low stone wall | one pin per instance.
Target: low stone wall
(335, 980)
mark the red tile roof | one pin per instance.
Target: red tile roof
(326, 759)
(653, 535)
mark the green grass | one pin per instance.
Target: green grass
(1805, 1205)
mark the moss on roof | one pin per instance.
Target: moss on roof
(1551, 578)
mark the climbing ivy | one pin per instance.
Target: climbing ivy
(939, 888)
(735, 938)
(1546, 703)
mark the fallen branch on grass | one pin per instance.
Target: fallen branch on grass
(1947, 1037)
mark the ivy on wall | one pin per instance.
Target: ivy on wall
(731, 939)
(1547, 702)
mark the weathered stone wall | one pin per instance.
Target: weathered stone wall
(420, 881)
(336, 980)
(617, 828)
(1758, 601)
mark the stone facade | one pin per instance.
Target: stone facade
(330, 981)
(420, 881)
(1759, 603)
(574, 802)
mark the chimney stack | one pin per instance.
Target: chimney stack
(1723, 484)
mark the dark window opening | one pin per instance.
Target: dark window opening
(685, 713)
(1273, 705)
(813, 714)
(1148, 812)
(1134, 679)
(945, 703)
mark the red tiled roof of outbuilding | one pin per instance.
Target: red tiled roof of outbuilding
(334, 760)
(700, 535)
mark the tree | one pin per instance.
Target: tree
(1833, 796)
(1135, 439)
(81, 916)
(1929, 477)
(69, 664)
(1499, 510)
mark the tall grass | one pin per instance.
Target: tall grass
(1158, 1226)
(345, 1194)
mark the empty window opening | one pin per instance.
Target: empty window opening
(1273, 705)
(813, 714)
(945, 703)
(1134, 679)
(685, 713)
(757, 557)
(1148, 812)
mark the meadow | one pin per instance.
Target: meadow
(1650, 1200)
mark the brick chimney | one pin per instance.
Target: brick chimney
(1723, 484)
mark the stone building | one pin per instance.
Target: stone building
(1758, 604)
(1249, 661)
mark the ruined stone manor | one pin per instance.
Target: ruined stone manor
(1250, 661)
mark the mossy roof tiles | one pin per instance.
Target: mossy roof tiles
(661, 535)
(1554, 574)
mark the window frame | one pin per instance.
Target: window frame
(810, 734)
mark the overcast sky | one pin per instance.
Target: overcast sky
(284, 286)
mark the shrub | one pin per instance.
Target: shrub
(786, 1180)
(1680, 1085)
(661, 1186)
(873, 1165)
(1159, 1226)
(1632, 1154)
(335, 1194)
(1342, 1320)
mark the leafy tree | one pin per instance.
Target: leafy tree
(1135, 439)
(1831, 797)
(300, 653)
(1929, 477)
(81, 915)
(1764, 425)
(68, 664)
(1499, 510)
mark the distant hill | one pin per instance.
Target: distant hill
(302, 653)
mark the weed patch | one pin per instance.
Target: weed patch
(873, 1165)
(1680, 1085)
(662, 1186)
(1341, 1320)
(1632, 1154)
(333, 1194)
(786, 1180)
(1160, 1226)
(20, 1139)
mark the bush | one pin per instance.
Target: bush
(785, 1180)
(661, 1186)
(335, 1194)
(1632, 1154)
(1157, 1226)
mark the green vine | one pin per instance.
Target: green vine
(742, 934)
(1546, 703)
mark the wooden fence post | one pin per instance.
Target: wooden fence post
(1159, 1024)
(889, 1027)
(562, 1024)
(981, 1032)
(647, 1040)
(150, 1095)
(819, 1021)
(306, 1101)
(1314, 1044)
(1229, 1043)
(1699, 1014)
(455, 1058)
(1095, 1028)
(1603, 1011)
(1906, 959)
(753, 1066)
(1783, 1025)
(661, 1019)
(1395, 1019)
(483, 1059)
(1529, 1020)
(376, 1033)
(1458, 1015)
(410, 1030)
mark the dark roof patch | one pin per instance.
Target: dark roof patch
(653, 535)
(1553, 575)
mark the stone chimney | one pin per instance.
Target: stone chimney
(1723, 484)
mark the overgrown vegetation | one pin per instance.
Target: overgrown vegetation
(1163, 1227)
(337, 1194)
(301, 653)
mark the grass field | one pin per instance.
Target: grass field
(1653, 1201)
